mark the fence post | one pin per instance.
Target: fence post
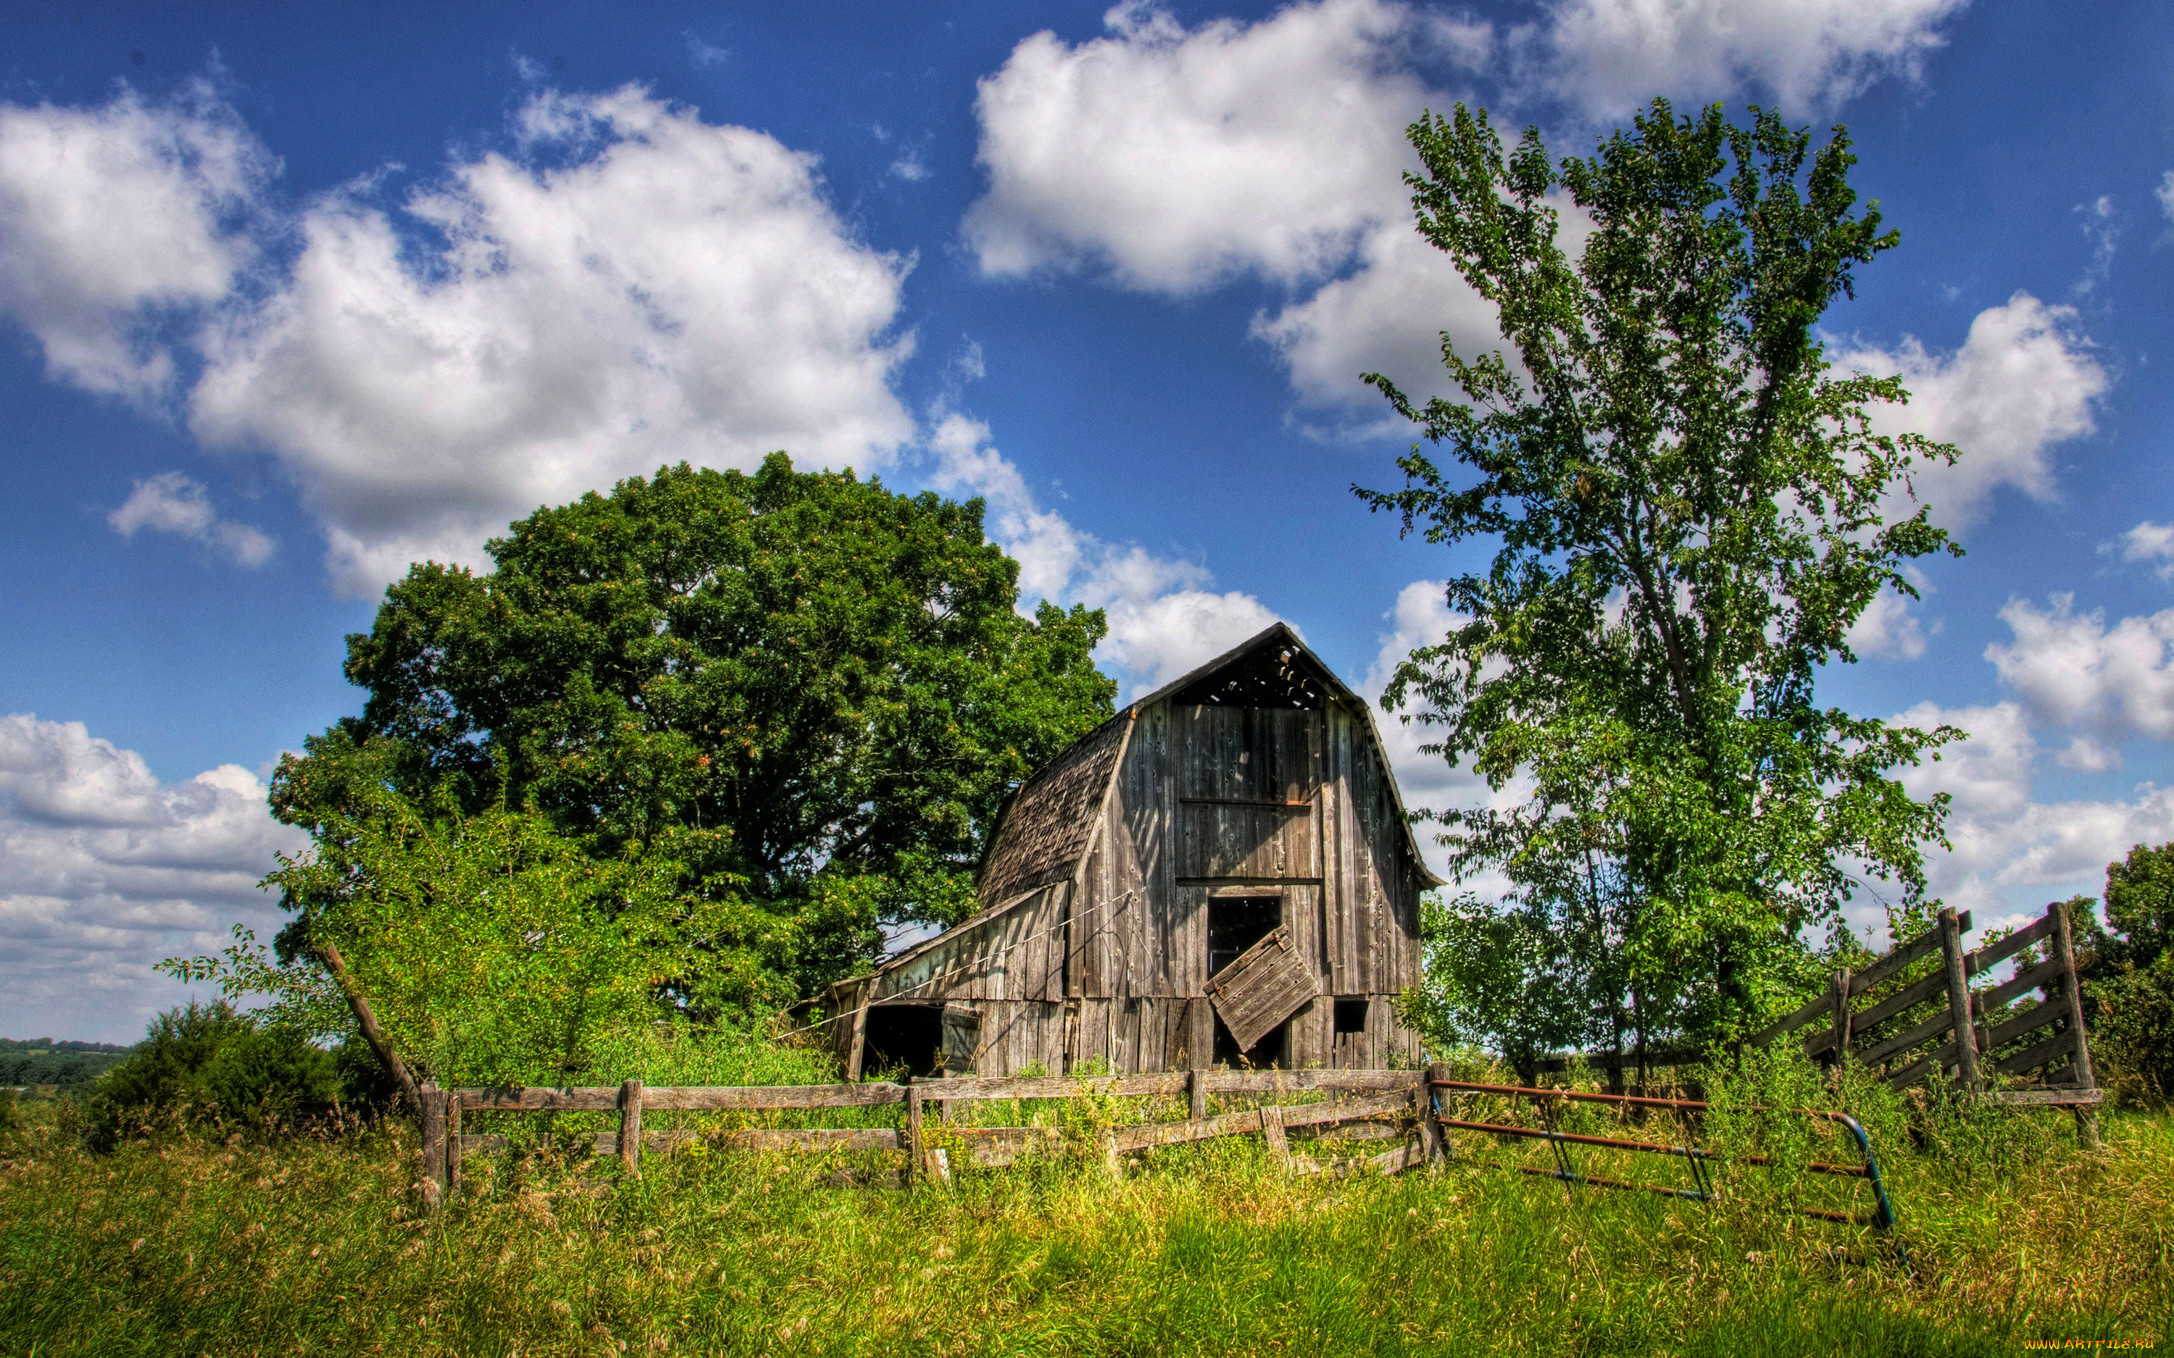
(1430, 1131)
(452, 1143)
(1196, 1095)
(1272, 1131)
(1841, 1017)
(913, 1130)
(1961, 1022)
(433, 1119)
(2080, 1073)
(630, 1128)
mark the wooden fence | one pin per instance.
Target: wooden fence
(922, 1145)
(1980, 1036)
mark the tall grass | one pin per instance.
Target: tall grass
(321, 1246)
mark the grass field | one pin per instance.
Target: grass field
(320, 1246)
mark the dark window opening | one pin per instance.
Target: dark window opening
(1272, 1050)
(903, 1035)
(1236, 923)
(1351, 1016)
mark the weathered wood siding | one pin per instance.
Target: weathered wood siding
(1372, 896)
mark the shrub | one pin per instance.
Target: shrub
(2132, 1039)
(204, 1065)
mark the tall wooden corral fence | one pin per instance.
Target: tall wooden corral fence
(1364, 1104)
(1989, 1042)
(1925, 1011)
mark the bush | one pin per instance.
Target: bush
(2132, 1039)
(207, 1065)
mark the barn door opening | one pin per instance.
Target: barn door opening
(1236, 923)
(908, 1035)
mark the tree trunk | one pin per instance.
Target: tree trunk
(379, 1041)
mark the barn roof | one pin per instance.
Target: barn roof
(1046, 827)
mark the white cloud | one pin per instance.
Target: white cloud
(2012, 854)
(1387, 317)
(630, 286)
(1179, 158)
(1163, 619)
(2165, 194)
(1888, 629)
(1612, 56)
(2086, 755)
(678, 291)
(119, 222)
(105, 871)
(174, 503)
(2148, 541)
(2075, 671)
(2024, 381)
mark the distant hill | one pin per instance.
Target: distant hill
(42, 1061)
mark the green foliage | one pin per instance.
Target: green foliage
(1497, 979)
(1687, 509)
(766, 681)
(492, 949)
(2132, 1035)
(2129, 992)
(2140, 906)
(205, 1065)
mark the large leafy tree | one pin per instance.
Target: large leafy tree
(1688, 508)
(804, 690)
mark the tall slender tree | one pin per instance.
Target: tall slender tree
(1688, 508)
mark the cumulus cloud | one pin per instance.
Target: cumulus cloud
(1164, 618)
(2074, 670)
(105, 870)
(1611, 56)
(625, 286)
(2024, 382)
(1387, 316)
(2012, 854)
(119, 224)
(174, 503)
(673, 290)
(1174, 159)
(2148, 541)
(1178, 158)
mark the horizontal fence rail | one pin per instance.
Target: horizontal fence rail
(1395, 1096)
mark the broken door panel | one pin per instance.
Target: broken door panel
(1266, 985)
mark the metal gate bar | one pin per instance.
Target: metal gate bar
(1546, 1100)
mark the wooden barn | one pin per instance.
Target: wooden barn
(1223, 869)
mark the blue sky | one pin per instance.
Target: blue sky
(291, 296)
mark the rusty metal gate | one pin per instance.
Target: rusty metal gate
(1546, 1102)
